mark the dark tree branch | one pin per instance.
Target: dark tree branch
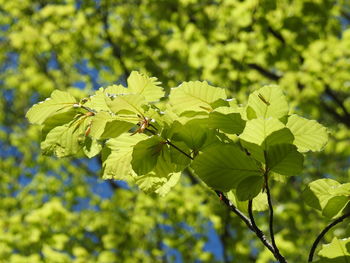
(339, 117)
(257, 230)
(337, 100)
(278, 254)
(264, 71)
(249, 224)
(276, 34)
(323, 232)
(234, 209)
(336, 115)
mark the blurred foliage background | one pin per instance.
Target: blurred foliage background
(61, 211)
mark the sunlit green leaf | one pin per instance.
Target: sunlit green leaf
(91, 147)
(130, 104)
(308, 134)
(59, 101)
(193, 133)
(268, 101)
(195, 96)
(338, 251)
(327, 195)
(222, 167)
(146, 86)
(117, 161)
(335, 205)
(97, 102)
(284, 159)
(68, 139)
(257, 130)
(146, 153)
(259, 134)
(57, 120)
(228, 123)
(161, 179)
(105, 126)
(249, 188)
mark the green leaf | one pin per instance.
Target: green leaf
(335, 205)
(161, 185)
(338, 251)
(257, 130)
(220, 103)
(229, 123)
(284, 159)
(146, 86)
(317, 193)
(97, 101)
(222, 167)
(269, 101)
(308, 134)
(195, 96)
(58, 101)
(260, 202)
(117, 161)
(179, 158)
(91, 147)
(115, 128)
(193, 134)
(146, 153)
(51, 143)
(249, 188)
(327, 195)
(162, 178)
(58, 119)
(105, 126)
(116, 90)
(98, 124)
(66, 140)
(259, 134)
(127, 104)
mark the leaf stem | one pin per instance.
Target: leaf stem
(323, 232)
(177, 148)
(88, 109)
(277, 252)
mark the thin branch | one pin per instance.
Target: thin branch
(250, 225)
(276, 34)
(88, 109)
(177, 148)
(336, 115)
(234, 209)
(264, 71)
(278, 254)
(323, 232)
(257, 230)
(337, 100)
